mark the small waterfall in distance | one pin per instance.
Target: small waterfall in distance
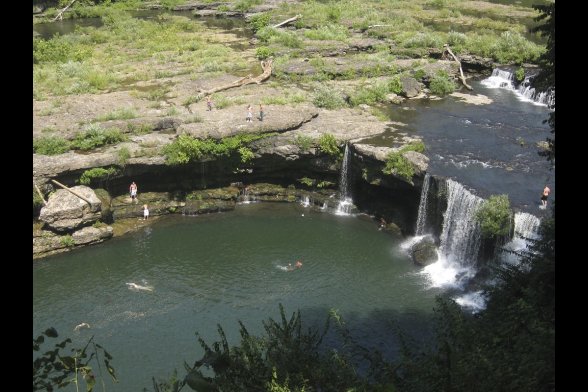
(345, 202)
(505, 79)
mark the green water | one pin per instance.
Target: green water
(222, 268)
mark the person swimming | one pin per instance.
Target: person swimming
(298, 264)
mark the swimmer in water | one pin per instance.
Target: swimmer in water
(82, 325)
(298, 264)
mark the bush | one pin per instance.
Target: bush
(328, 145)
(442, 84)
(328, 32)
(303, 142)
(328, 98)
(67, 241)
(50, 145)
(494, 216)
(520, 74)
(263, 52)
(97, 174)
(95, 137)
(398, 165)
(259, 21)
(123, 156)
(186, 149)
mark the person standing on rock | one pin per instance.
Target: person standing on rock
(544, 196)
(133, 191)
(260, 112)
(249, 114)
(209, 103)
(145, 211)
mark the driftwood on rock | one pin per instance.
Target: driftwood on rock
(60, 14)
(39, 192)
(462, 77)
(287, 21)
(72, 192)
(267, 71)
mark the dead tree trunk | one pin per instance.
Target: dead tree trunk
(267, 71)
(462, 77)
(39, 192)
(73, 192)
(60, 14)
(287, 21)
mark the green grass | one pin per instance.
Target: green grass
(327, 97)
(398, 165)
(50, 145)
(94, 136)
(118, 114)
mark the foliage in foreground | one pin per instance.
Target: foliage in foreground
(56, 369)
(289, 357)
(511, 343)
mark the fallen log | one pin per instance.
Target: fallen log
(287, 21)
(73, 192)
(60, 14)
(462, 77)
(267, 71)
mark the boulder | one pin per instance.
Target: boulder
(410, 87)
(66, 212)
(419, 161)
(424, 252)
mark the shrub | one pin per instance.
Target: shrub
(123, 156)
(398, 165)
(442, 84)
(67, 241)
(118, 114)
(95, 137)
(307, 181)
(328, 145)
(246, 154)
(520, 74)
(97, 174)
(328, 98)
(50, 145)
(263, 52)
(494, 216)
(303, 142)
(259, 21)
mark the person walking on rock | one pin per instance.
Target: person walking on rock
(133, 191)
(260, 112)
(249, 114)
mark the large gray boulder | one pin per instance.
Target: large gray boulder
(424, 252)
(410, 87)
(66, 212)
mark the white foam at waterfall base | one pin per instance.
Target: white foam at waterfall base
(475, 301)
(446, 273)
(407, 244)
(305, 201)
(344, 207)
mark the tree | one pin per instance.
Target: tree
(545, 80)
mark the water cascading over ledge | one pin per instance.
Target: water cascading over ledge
(346, 202)
(505, 78)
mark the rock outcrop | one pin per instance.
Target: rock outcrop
(66, 212)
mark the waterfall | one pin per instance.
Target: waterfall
(505, 79)
(345, 202)
(422, 217)
(343, 186)
(305, 201)
(460, 237)
(526, 227)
